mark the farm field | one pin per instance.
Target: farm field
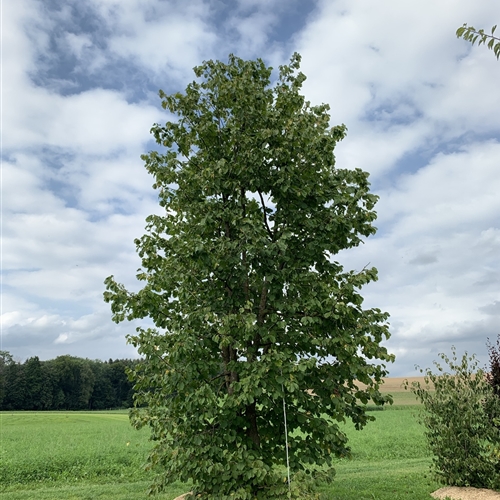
(87, 455)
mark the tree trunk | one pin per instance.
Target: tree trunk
(253, 430)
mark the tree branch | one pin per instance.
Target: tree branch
(470, 34)
(271, 234)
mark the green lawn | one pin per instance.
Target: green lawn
(83, 455)
(390, 460)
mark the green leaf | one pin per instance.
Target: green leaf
(470, 34)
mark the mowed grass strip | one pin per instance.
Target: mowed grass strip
(86, 490)
(390, 456)
(82, 455)
(390, 459)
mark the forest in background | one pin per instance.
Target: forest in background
(65, 383)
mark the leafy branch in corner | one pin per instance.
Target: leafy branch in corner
(470, 34)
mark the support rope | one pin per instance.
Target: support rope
(286, 438)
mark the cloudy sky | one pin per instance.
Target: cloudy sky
(79, 95)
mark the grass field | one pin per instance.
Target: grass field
(77, 455)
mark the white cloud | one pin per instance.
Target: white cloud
(167, 38)
(377, 149)
(489, 240)
(454, 192)
(419, 104)
(406, 87)
(78, 44)
(437, 255)
(91, 123)
(401, 65)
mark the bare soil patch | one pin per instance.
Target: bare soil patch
(456, 493)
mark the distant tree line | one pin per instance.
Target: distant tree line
(64, 383)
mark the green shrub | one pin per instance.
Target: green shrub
(459, 408)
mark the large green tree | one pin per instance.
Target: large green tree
(250, 306)
(75, 379)
(38, 385)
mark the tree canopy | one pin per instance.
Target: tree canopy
(239, 276)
